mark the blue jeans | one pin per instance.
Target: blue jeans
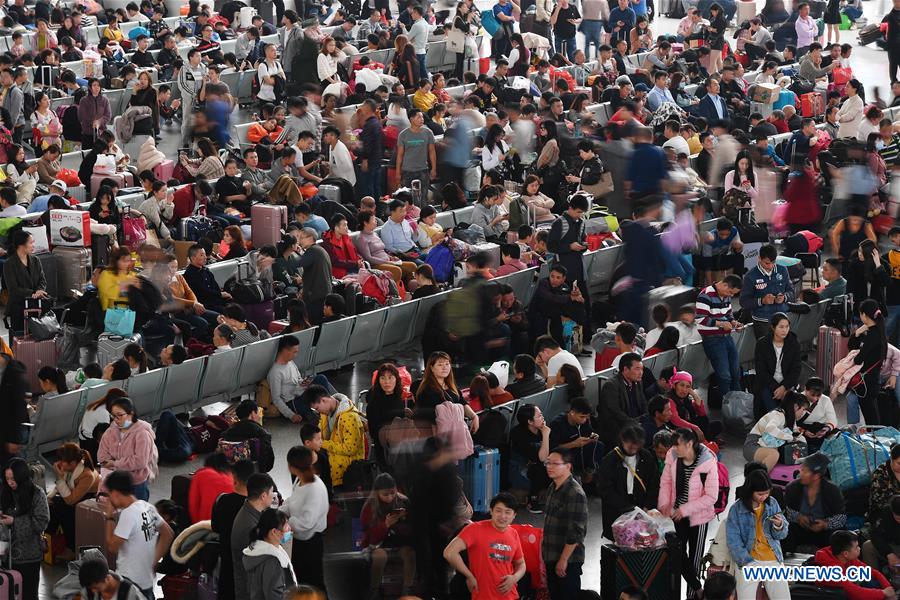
(852, 408)
(569, 43)
(172, 440)
(142, 492)
(722, 353)
(423, 72)
(370, 181)
(681, 266)
(217, 213)
(592, 30)
(853, 13)
(766, 401)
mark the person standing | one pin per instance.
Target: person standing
(565, 20)
(415, 151)
(893, 39)
(370, 151)
(316, 265)
(418, 37)
(224, 511)
(806, 29)
(307, 511)
(567, 241)
(565, 527)
(494, 552)
(26, 514)
(260, 492)
(137, 534)
(716, 322)
(871, 341)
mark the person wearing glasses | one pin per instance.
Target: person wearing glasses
(565, 526)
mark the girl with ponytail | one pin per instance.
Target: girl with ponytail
(268, 566)
(871, 341)
(76, 480)
(53, 381)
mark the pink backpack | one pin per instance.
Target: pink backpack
(451, 425)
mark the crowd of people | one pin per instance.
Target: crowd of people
(722, 162)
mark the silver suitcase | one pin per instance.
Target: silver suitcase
(330, 192)
(111, 347)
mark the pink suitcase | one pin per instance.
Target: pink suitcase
(831, 348)
(124, 179)
(164, 170)
(781, 475)
(267, 222)
(10, 583)
(34, 355)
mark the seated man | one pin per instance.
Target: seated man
(767, 287)
(821, 418)
(343, 429)
(626, 335)
(721, 250)
(622, 400)
(662, 443)
(98, 581)
(202, 282)
(835, 285)
(814, 506)
(572, 430)
(553, 300)
(287, 386)
(883, 549)
(627, 478)
(248, 428)
(529, 444)
(526, 380)
(397, 235)
(843, 552)
(658, 417)
(550, 357)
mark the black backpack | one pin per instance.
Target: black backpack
(491, 429)
(28, 106)
(360, 475)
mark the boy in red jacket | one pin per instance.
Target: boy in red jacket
(844, 552)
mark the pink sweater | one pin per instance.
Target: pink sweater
(132, 449)
(701, 498)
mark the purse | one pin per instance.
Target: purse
(45, 327)
(601, 188)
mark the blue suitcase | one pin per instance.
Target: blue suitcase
(481, 477)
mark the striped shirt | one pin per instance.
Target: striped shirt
(683, 474)
(710, 309)
(890, 152)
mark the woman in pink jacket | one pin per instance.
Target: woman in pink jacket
(129, 445)
(688, 491)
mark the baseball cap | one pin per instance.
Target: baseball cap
(59, 183)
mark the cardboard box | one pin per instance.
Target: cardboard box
(70, 228)
(766, 93)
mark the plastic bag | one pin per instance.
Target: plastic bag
(637, 530)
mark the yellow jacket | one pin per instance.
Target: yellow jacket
(424, 102)
(108, 288)
(346, 443)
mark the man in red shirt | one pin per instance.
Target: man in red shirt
(496, 561)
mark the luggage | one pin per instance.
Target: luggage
(74, 270)
(207, 587)
(134, 232)
(181, 487)
(179, 587)
(260, 314)
(50, 264)
(100, 245)
(347, 574)
(349, 290)
(124, 179)
(111, 347)
(737, 412)
(831, 348)
(657, 572)
(330, 192)
(781, 475)
(672, 296)
(163, 171)
(280, 304)
(198, 227)
(792, 453)
(746, 10)
(481, 477)
(854, 458)
(276, 327)
(34, 354)
(812, 105)
(268, 222)
(10, 582)
(870, 33)
(90, 527)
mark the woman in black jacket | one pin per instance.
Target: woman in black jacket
(383, 404)
(23, 278)
(871, 341)
(866, 275)
(715, 37)
(777, 360)
(145, 95)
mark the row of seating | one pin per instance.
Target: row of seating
(92, 33)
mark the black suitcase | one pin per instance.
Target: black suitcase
(657, 572)
(869, 34)
(281, 306)
(181, 487)
(50, 264)
(100, 245)
(753, 233)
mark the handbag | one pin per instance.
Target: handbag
(456, 40)
(69, 177)
(39, 234)
(105, 165)
(119, 321)
(45, 327)
(135, 232)
(247, 290)
(601, 188)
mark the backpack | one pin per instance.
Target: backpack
(450, 424)
(441, 260)
(238, 451)
(263, 398)
(28, 106)
(71, 126)
(360, 475)
(724, 487)
(491, 429)
(462, 312)
(733, 200)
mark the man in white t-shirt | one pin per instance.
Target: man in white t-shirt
(550, 357)
(340, 162)
(137, 534)
(626, 335)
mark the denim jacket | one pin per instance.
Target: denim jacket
(741, 531)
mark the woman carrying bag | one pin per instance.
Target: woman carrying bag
(26, 515)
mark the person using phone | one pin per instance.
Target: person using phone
(767, 287)
(386, 526)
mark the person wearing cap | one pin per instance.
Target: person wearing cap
(814, 506)
(58, 189)
(688, 410)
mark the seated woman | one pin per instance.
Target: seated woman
(774, 429)
(540, 205)
(688, 409)
(371, 249)
(233, 238)
(245, 332)
(286, 268)
(105, 210)
(76, 480)
(778, 360)
(570, 376)
(387, 525)
(96, 415)
(114, 281)
(427, 286)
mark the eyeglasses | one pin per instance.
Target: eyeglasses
(118, 415)
(548, 463)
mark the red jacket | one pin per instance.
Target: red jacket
(802, 195)
(206, 485)
(825, 558)
(342, 252)
(184, 201)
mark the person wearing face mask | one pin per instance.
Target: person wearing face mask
(627, 478)
(268, 567)
(129, 445)
(307, 509)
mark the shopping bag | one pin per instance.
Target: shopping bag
(119, 321)
(135, 232)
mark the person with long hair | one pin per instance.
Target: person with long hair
(298, 316)
(144, 94)
(209, 165)
(45, 122)
(495, 149)
(26, 513)
(779, 426)
(267, 565)
(76, 480)
(136, 357)
(384, 403)
(53, 382)
(539, 204)
(569, 375)
(234, 238)
(742, 177)
(754, 529)
(129, 445)
(778, 360)
(307, 511)
(105, 210)
(479, 395)
(688, 490)
(23, 278)
(871, 341)
(866, 274)
(386, 526)
(549, 165)
(519, 56)
(715, 37)
(116, 278)
(96, 417)
(439, 385)
(20, 174)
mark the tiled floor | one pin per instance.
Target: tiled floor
(869, 65)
